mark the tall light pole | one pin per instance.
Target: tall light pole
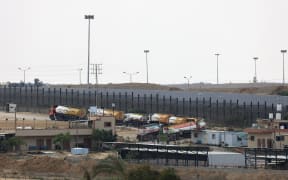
(130, 75)
(217, 55)
(283, 51)
(146, 52)
(255, 75)
(24, 72)
(188, 79)
(80, 72)
(89, 17)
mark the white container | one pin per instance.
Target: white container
(79, 151)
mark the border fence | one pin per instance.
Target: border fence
(216, 111)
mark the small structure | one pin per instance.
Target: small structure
(220, 138)
(268, 133)
(39, 135)
(226, 159)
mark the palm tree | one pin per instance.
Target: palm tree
(111, 166)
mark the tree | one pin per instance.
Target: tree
(100, 136)
(109, 166)
(12, 143)
(168, 173)
(61, 139)
(143, 173)
(37, 82)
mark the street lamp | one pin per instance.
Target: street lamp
(89, 17)
(146, 52)
(80, 70)
(130, 75)
(24, 71)
(217, 55)
(283, 51)
(255, 75)
(188, 79)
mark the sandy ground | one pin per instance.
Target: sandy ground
(25, 115)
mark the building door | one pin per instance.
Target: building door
(263, 143)
(66, 145)
(40, 143)
(258, 143)
(49, 144)
(269, 143)
(87, 143)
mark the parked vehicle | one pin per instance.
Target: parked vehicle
(65, 113)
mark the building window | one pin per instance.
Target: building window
(252, 138)
(269, 143)
(213, 136)
(239, 138)
(263, 143)
(279, 138)
(195, 135)
(107, 124)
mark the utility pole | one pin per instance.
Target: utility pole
(283, 51)
(146, 52)
(255, 75)
(89, 17)
(130, 75)
(188, 79)
(96, 70)
(217, 55)
(24, 72)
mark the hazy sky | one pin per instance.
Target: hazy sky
(182, 35)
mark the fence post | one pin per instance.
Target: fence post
(138, 101)
(101, 99)
(145, 103)
(66, 96)
(157, 103)
(151, 103)
(244, 117)
(119, 100)
(132, 100)
(224, 111)
(89, 98)
(37, 96)
(72, 97)
(210, 108)
(197, 115)
(170, 104)
(60, 94)
(190, 106)
(31, 97)
(163, 104)
(126, 102)
(251, 113)
(203, 108)
(177, 106)
(54, 96)
(265, 109)
(43, 95)
(183, 106)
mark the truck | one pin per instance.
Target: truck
(118, 115)
(66, 113)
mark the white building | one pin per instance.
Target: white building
(220, 138)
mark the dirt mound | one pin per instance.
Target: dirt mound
(44, 164)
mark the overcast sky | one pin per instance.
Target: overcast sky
(51, 37)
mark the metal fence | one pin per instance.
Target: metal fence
(215, 111)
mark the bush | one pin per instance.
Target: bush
(143, 173)
(168, 174)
